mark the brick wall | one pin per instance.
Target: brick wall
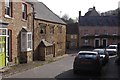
(15, 25)
(90, 30)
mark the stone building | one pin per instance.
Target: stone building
(49, 33)
(72, 36)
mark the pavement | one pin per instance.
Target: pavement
(10, 70)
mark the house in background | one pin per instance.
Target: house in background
(72, 36)
(49, 33)
(15, 32)
(96, 30)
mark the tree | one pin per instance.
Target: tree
(65, 17)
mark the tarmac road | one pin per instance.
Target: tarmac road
(63, 69)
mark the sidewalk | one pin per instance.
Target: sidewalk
(69, 51)
(10, 70)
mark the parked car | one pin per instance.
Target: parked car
(87, 61)
(112, 49)
(104, 56)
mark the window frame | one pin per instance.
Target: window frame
(26, 41)
(29, 33)
(52, 30)
(43, 28)
(60, 29)
(24, 11)
(74, 36)
(8, 8)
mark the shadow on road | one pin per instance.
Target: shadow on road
(80, 75)
(109, 71)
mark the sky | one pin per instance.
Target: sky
(72, 7)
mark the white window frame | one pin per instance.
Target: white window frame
(8, 5)
(24, 11)
(26, 47)
(29, 33)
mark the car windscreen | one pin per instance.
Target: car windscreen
(87, 55)
(111, 47)
(99, 51)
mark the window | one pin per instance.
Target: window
(85, 32)
(96, 32)
(29, 41)
(43, 30)
(105, 32)
(24, 11)
(8, 8)
(60, 29)
(73, 44)
(26, 41)
(86, 42)
(73, 36)
(114, 32)
(52, 30)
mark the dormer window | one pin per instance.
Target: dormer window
(24, 11)
(8, 8)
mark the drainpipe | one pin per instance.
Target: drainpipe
(79, 30)
(33, 15)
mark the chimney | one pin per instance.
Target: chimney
(79, 16)
(93, 7)
(79, 13)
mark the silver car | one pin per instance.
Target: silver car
(104, 56)
(112, 49)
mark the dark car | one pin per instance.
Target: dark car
(104, 56)
(87, 61)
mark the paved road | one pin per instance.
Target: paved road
(63, 69)
(0, 76)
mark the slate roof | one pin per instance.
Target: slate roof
(45, 43)
(92, 12)
(98, 20)
(44, 13)
(72, 28)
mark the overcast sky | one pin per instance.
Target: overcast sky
(72, 7)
